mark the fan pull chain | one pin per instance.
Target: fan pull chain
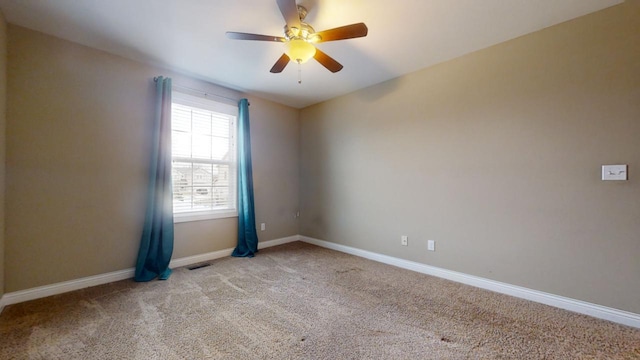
(299, 72)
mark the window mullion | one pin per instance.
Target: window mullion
(201, 161)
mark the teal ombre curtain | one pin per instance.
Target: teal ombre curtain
(247, 235)
(156, 243)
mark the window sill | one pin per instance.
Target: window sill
(203, 215)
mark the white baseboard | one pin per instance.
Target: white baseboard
(582, 307)
(227, 252)
(66, 286)
(190, 260)
(276, 242)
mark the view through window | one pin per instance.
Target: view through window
(204, 158)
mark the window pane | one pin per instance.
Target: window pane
(202, 197)
(220, 148)
(181, 144)
(181, 118)
(182, 184)
(201, 146)
(202, 175)
(201, 122)
(220, 126)
(201, 137)
(221, 175)
(221, 196)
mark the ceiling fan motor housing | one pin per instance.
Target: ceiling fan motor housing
(306, 31)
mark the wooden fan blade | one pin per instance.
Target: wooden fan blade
(245, 36)
(280, 64)
(289, 11)
(327, 61)
(343, 32)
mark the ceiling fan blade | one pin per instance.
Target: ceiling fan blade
(245, 36)
(344, 32)
(289, 11)
(327, 61)
(280, 64)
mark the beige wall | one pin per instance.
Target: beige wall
(275, 131)
(77, 154)
(495, 155)
(3, 98)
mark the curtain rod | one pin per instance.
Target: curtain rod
(206, 94)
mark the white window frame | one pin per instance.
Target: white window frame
(181, 98)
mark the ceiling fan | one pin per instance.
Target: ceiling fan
(299, 38)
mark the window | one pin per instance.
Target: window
(203, 136)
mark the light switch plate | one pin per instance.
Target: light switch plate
(614, 172)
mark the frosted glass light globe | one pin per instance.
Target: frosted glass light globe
(300, 51)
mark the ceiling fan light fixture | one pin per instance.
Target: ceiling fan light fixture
(300, 50)
(300, 37)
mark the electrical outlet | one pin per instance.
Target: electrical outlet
(614, 172)
(404, 240)
(263, 227)
(431, 245)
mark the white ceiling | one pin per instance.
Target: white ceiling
(189, 36)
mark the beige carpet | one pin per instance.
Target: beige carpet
(298, 301)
